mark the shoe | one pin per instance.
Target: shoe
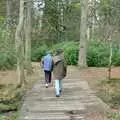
(60, 91)
(50, 84)
(57, 95)
(46, 85)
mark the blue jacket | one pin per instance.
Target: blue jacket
(47, 62)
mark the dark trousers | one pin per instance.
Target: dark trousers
(47, 76)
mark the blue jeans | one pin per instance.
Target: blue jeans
(58, 86)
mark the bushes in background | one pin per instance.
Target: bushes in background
(7, 49)
(98, 53)
(7, 60)
(71, 55)
(116, 58)
(70, 51)
(38, 52)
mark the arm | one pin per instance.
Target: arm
(52, 65)
(42, 62)
(65, 67)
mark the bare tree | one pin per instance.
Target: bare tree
(83, 34)
(20, 45)
(8, 12)
(61, 19)
(28, 65)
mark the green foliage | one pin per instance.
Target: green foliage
(71, 54)
(70, 51)
(75, 5)
(38, 52)
(7, 49)
(7, 60)
(114, 116)
(116, 58)
(2, 117)
(11, 116)
(98, 54)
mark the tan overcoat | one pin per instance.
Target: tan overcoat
(59, 69)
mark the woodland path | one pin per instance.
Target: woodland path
(77, 102)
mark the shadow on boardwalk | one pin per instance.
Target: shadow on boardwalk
(77, 102)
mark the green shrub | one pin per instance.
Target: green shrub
(70, 51)
(7, 52)
(71, 54)
(39, 52)
(98, 54)
(7, 59)
(116, 58)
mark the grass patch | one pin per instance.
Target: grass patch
(9, 116)
(109, 92)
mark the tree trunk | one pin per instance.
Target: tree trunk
(110, 58)
(83, 34)
(61, 20)
(20, 46)
(28, 65)
(8, 13)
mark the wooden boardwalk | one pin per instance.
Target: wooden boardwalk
(77, 102)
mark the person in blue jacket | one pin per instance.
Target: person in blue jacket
(47, 63)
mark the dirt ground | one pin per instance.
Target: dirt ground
(10, 76)
(94, 75)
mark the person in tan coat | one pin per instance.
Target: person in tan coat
(59, 70)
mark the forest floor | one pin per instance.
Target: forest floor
(9, 100)
(108, 91)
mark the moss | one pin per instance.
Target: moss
(8, 107)
(9, 116)
(114, 116)
(11, 100)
